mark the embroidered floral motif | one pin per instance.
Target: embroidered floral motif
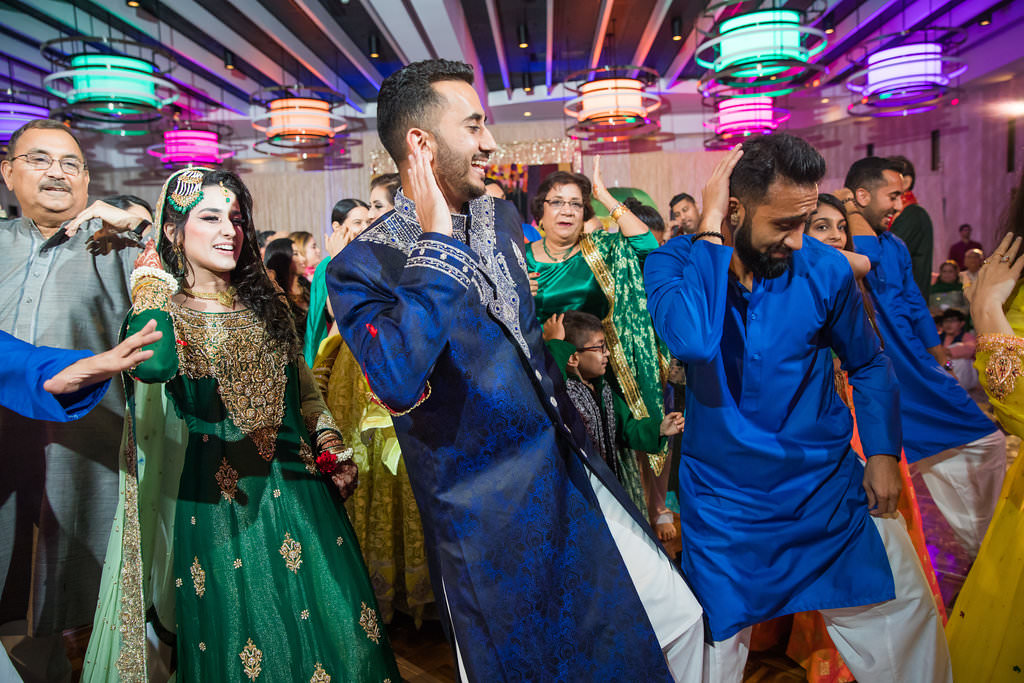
(304, 614)
(237, 563)
(202, 646)
(291, 551)
(306, 456)
(368, 620)
(277, 493)
(227, 479)
(198, 577)
(151, 294)
(340, 540)
(319, 675)
(234, 348)
(193, 520)
(131, 662)
(252, 659)
(178, 582)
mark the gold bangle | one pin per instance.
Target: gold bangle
(618, 211)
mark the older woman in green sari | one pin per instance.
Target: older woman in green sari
(601, 273)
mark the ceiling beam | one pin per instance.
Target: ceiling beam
(403, 24)
(316, 13)
(600, 31)
(291, 44)
(60, 13)
(549, 45)
(654, 23)
(499, 44)
(445, 23)
(688, 48)
(385, 31)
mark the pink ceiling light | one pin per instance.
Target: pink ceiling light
(740, 117)
(14, 115)
(188, 146)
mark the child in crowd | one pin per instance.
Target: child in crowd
(577, 342)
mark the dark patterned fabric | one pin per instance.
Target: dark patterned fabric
(519, 551)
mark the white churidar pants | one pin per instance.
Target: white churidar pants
(897, 641)
(965, 483)
(673, 611)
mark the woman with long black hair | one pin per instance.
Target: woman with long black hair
(230, 531)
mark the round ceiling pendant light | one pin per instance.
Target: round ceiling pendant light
(736, 118)
(760, 53)
(612, 103)
(101, 83)
(193, 144)
(913, 76)
(297, 119)
(14, 115)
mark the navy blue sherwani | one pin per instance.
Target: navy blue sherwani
(521, 558)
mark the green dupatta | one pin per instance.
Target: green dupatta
(316, 322)
(639, 359)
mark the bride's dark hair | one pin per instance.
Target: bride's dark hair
(255, 288)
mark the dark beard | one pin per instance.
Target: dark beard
(455, 170)
(762, 264)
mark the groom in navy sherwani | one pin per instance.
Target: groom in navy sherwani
(542, 568)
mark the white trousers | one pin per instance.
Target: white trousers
(897, 641)
(965, 483)
(673, 611)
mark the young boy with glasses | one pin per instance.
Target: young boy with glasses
(576, 340)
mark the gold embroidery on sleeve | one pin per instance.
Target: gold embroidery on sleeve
(198, 578)
(227, 479)
(368, 620)
(251, 658)
(291, 551)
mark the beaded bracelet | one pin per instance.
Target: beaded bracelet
(709, 233)
(1005, 364)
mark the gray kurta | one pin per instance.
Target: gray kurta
(58, 482)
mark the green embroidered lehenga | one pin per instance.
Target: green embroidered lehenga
(225, 529)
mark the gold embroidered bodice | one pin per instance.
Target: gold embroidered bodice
(235, 350)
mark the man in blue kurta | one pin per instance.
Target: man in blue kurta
(540, 572)
(959, 452)
(776, 508)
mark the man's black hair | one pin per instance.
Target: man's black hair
(125, 201)
(407, 100)
(963, 225)
(681, 197)
(263, 236)
(906, 168)
(40, 124)
(647, 214)
(868, 173)
(493, 181)
(768, 157)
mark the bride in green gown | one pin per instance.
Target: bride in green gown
(230, 530)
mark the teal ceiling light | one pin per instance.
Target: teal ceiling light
(760, 53)
(101, 84)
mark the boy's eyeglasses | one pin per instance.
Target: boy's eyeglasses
(600, 348)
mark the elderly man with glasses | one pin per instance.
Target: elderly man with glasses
(64, 282)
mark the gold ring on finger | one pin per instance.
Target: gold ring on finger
(1004, 259)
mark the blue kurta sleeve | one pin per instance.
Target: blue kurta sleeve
(397, 332)
(24, 370)
(686, 285)
(869, 246)
(920, 318)
(875, 394)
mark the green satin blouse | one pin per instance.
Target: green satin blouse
(571, 286)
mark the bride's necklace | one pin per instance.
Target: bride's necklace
(561, 256)
(225, 298)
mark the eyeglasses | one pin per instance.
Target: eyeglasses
(558, 204)
(600, 348)
(40, 161)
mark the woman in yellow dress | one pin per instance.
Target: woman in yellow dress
(986, 628)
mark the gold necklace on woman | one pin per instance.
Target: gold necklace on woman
(561, 257)
(225, 298)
